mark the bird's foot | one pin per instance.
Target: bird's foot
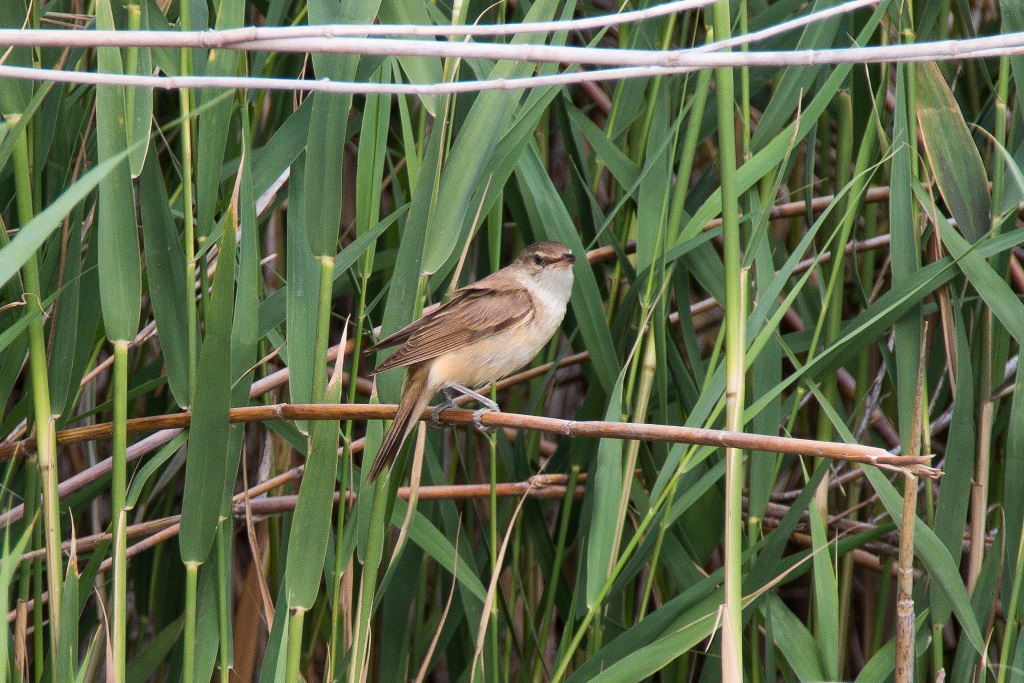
(487, 403)
(435, 414)
(477, 414)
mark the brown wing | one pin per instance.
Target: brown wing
(473, 314)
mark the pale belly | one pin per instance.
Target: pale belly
(490, 359)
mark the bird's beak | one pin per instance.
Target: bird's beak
(567, 258)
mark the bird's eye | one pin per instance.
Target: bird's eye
(538, 260)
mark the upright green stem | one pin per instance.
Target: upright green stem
(223, 573)
(732, 623)
(118, 489)
(744, 87)
(188, 666)
(43, 413)
(185, 99)
(295, 619)
(323, 326)
(120, 436)
(119, 636)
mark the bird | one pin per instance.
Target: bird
(486, 331)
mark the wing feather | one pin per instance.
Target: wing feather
(475, 313)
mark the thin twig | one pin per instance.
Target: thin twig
(539, 486)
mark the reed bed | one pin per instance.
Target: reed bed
(778, 437)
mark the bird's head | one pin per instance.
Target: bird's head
(547, 265)
(545, 255)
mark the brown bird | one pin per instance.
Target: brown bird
(487, 330)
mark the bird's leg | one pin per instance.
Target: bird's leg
(435, 414)
(488, 406)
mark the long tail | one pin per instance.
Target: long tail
(415, 397)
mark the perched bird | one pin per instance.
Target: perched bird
(488, 330)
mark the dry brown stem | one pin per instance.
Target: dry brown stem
(917, 465)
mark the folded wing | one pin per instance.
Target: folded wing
(473, 314)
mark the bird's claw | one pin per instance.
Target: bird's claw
(480, 426)
(488, 406)
(435, 417)
(435, 414)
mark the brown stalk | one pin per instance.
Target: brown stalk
(905, 577)
(539, 486)
(592, 428)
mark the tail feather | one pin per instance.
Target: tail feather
(415, 397)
